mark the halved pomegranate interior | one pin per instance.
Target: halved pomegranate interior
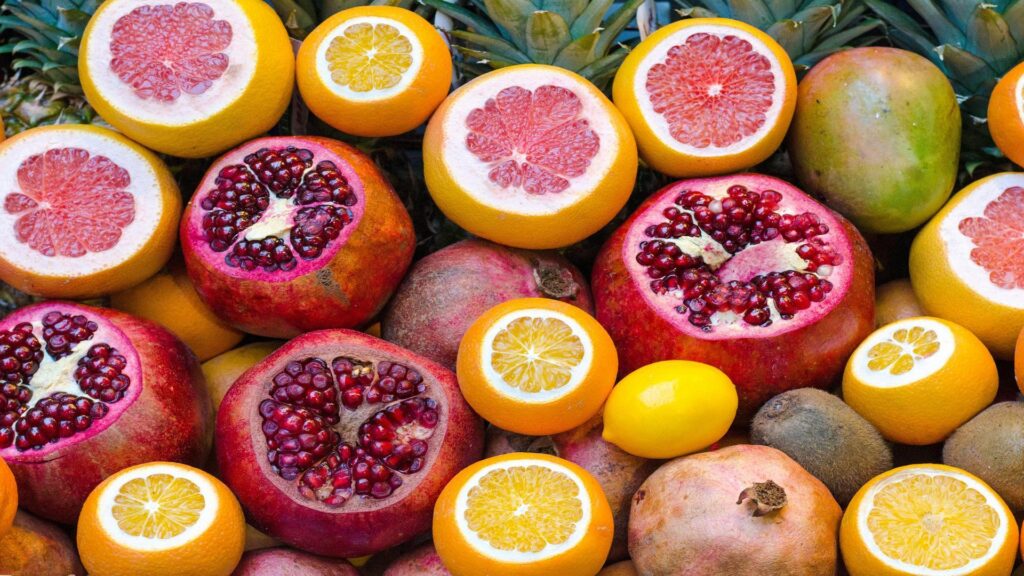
(744, 252)
(275, 208)
(65, 375)
(342, 426)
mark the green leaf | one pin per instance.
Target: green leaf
(460, 14)
(569, 10)
(966, 68)
(718, 7)
(989, 37)
(511, 17)
(800, 34)
(944, 30)
(845, 37)
(685, 13)
(615, 24)
(578, 53)
(590, 19)
(959, 11)
(546, 35)
(753, 12)
(905, 32)
(1014, 16)
(491, 60)
(500, 48)
(780, 9)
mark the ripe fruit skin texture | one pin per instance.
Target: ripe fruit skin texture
(36, 547)
(422, 561)
(991, 446)
(686, 521)
(1004, 119)
(349, 290)
(894, 301)
(168, 420)
(449, 289)
(813, 355)
(877, 134)
(287, 562)
(8, 498)
(361, 525)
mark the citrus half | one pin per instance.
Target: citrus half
(706, 96)
(1006, 114)
(523, 514)
(188, 79)
(530, 156)
(374, 70)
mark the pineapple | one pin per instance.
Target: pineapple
(578, 35)
(301, 16)
(974, 42)
(809, 30)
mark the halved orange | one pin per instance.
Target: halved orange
(523, 514)
(920, 378)
(1006, 114)
(928, 520)
(531, 156)
(966, 264)
(189, 78)
(161, 518)
(536, 366)
(706, 96)
(374, 70)
(86, 212)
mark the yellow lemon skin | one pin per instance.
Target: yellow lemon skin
(669, 409)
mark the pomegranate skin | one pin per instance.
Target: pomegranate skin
(288, 562)
(422, 561)
(362, 526)
(449, 289)
(168, 421)
(685, 520)
(347, 292)
(761, 367)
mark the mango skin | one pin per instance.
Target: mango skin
(877, 135)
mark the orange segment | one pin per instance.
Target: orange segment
(898, 354)
(158, 506)
(534, 354)
(369, 57)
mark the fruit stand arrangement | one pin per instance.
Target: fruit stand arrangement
(511, 287)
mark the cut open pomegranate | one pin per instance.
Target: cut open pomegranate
(292, 234)
(347, 437)
(86, 392)
(743, 272)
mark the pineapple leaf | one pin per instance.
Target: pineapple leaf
(467, 17)
(988, 34)
(1014, 16)
(296, 18)
(546, 35)
(969, 70)
(959, 10)
(905, 31)
(840, 39)
(615, 24)
(944, 30)
(717, 7)
(482, 57)
(511, 17)
(580, 51)
(602, 66)
(38, 28)
(496, 46)
(49, 55)
(696, 12)
(779, 9)
(569, 10)
(590, 19)
(753, 12)
(797, 35)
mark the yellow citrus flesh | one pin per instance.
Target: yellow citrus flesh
(369, 57)
(536, 366)
(928, 519)
(524, 515)
(919, 378)
(158, 506)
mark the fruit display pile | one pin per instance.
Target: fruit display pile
(511, 287)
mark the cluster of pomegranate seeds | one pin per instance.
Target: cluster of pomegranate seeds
(321, 194)
(303, 409)
(741, 219)
(99, 374)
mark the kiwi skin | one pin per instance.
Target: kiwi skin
(825, 436)
(991, 446)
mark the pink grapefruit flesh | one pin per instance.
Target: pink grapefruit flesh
(998, 237)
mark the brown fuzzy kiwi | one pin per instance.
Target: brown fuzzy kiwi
(991, 446)
(825, 436)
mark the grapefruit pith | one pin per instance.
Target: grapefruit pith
(189, 79)
(706, 96)
(530, 156)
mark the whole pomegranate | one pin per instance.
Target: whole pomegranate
(449, 289)
(742, 272)
(742, 511)
(291, 234)
(288, 562)
(422, 561)
(87, 392)
(339, 443)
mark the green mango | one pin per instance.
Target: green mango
(876, 134)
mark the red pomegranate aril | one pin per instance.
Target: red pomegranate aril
(280, 170)
(62, 332)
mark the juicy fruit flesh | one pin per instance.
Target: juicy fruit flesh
(937, 522)
(158, 506)
(524, 508)
(164, 51)
(903, 349)
(700, 238)
(997, 237)
(55, 382)
(536, 354)
(278, 206)
(533, 141)
(367, 57)
(70, 203)
(713, 91)
(347, 427)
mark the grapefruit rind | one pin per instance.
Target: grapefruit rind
(323, 63)
(866, 505)
(923, 367)
(516, 557)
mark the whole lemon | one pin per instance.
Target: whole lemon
(669, 409)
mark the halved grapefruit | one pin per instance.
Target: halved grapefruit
(188, 78)
(85, 212)
(706, 96)
(374, 70)
(530, 156)
(967, 263)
